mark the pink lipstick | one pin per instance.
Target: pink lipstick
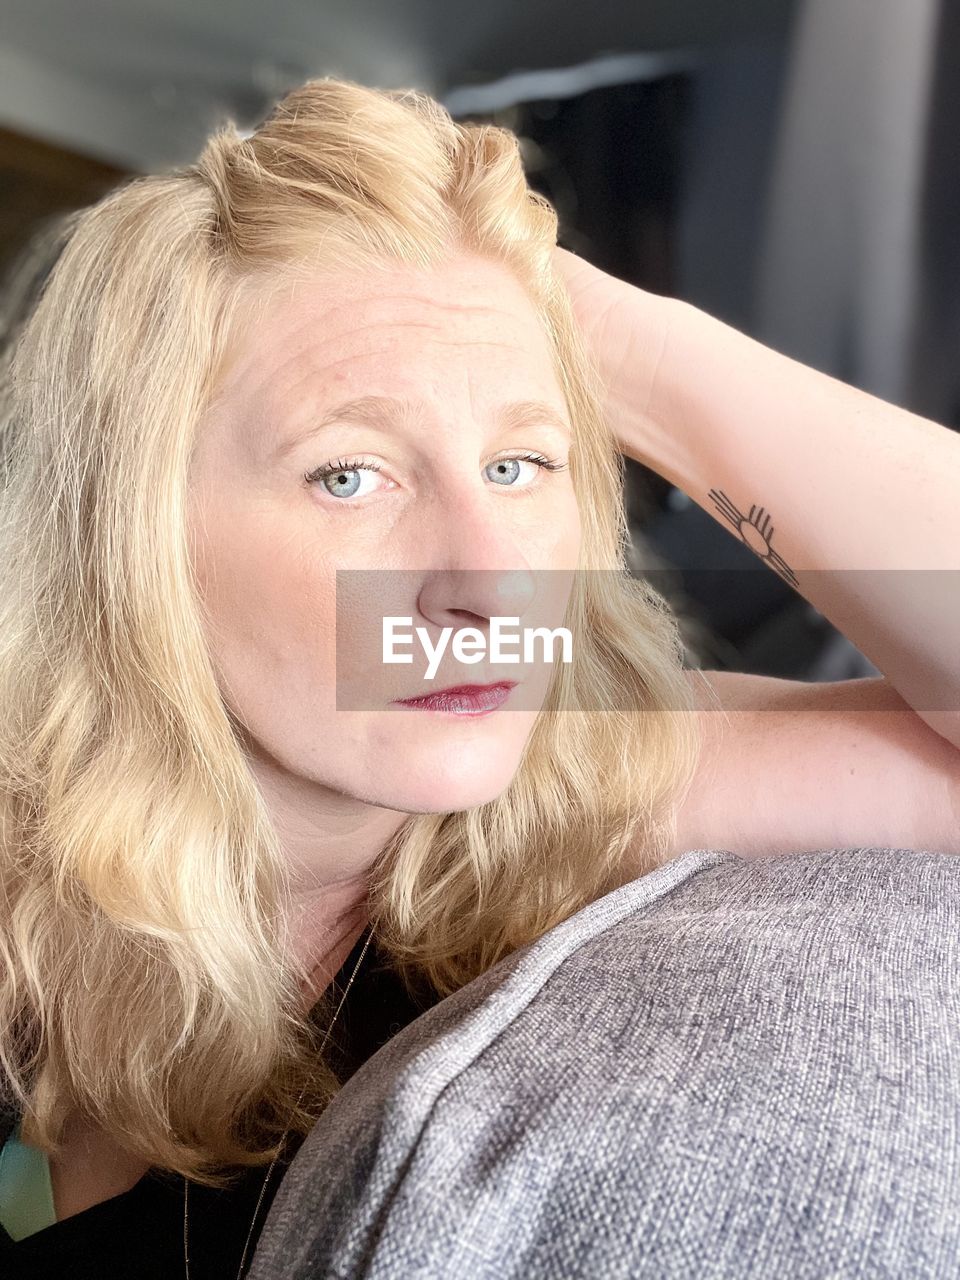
(463, 699)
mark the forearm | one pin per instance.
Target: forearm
(790, 765)
(853, 501)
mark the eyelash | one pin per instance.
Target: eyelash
(363, 464)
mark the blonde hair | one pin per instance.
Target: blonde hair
(147, 977)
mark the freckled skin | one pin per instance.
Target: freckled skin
(268, 547)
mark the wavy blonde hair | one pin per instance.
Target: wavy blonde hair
(147, 978)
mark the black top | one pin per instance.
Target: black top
(138, 1235)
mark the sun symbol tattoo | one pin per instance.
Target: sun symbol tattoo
(756, 531)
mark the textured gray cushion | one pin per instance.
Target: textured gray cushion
(725, 1068)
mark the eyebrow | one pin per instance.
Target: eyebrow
(390, 413)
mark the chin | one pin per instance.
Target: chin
(447, 789)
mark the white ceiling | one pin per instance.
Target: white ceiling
(141, 82)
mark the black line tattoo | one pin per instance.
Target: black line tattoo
(756, 531)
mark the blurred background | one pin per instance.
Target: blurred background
(790, 166)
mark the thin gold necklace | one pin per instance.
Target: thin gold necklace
(186, 1184)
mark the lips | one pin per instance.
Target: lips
(463, 699)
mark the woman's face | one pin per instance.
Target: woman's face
(453, 528)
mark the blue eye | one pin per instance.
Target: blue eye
(507, 469)
(346, 472)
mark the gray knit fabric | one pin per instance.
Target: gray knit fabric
(727, 1068)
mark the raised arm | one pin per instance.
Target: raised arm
(851, 500)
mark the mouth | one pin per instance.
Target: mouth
(463, 699)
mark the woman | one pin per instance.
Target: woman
(306, 382)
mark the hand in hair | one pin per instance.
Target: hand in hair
(625, 330)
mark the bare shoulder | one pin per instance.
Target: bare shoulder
(790, 766)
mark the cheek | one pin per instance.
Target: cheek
(270, 605)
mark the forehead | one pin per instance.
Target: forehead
(342, 326)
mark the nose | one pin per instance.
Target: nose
(459, 597)
(479, 568)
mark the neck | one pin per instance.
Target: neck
(331, 842)
(324, 946)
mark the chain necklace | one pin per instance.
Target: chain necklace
(186, 1184)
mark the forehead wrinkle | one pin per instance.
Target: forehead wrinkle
(386, 299)
(381, 297)
(302, 360)
(314, 370)
(324, 305)
(388, 324)
(320, 308)
(304, 351)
